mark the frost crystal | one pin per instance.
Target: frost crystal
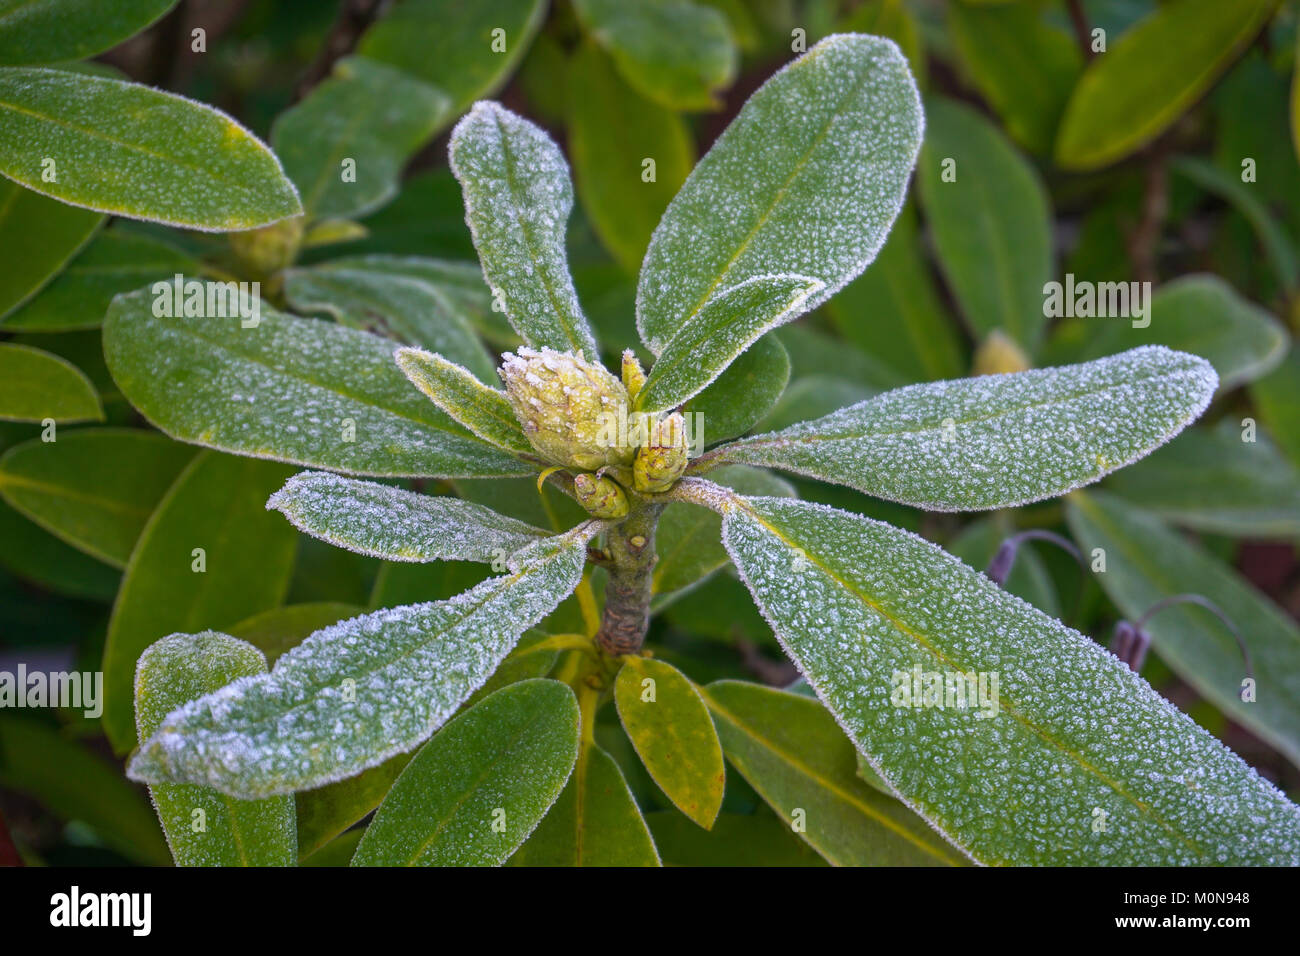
(1076, 735)
(357, 692)
(998, 440)
(396, 524)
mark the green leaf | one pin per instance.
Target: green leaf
(114, 262)
(892, 19)
(517, 203)
(457, 286)
(218, 504)
(476, 790)
(455, 46)
(1214, 480)
(1024, 67)
(1277, 396)
(613, 131)
(400, 307)
(1151, 75)
(894, 312)
(1147, 562)
(668, 724)
(736, 400)
(790, 750)
(39, 236)
(74, 784)
(398, 525)
(326, 812)
(819, 204)
(595, 821)
(677, 53)
(56, 31)
(135, 151)
(353, 695)
(1200, 314)
(737, 839)
(371, 114)
(1068, 734)
(688, 539)
(32, 554)
(94, 488)
(172, 672)
(36, 385)
(297, 390)
(724, 327)
(1277, 244)
(812, 397)
(997, 440)
(991, 225)
(484, 411)
(280, 629)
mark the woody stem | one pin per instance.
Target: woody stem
(631, 547)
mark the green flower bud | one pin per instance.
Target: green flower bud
(661, 461)
(600, 496)
(569, 407)
(633, 374)
(266, 251)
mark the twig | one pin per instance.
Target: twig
(1144, 240)
(354, 17)
(1082, 31)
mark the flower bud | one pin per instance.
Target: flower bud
(267, 250)
(661, 461)
(999, 354)
(568, 407)
(633, 374)
(600, 496)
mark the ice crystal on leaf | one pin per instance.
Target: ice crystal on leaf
(359, 691)
(997, 440)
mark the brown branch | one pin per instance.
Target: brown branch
(1144, 240)
(354, 17)
(1082, 30)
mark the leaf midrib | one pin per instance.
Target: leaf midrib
(1006, 704)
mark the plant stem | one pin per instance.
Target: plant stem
(631, 549)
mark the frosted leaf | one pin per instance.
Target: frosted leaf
(406, 308)
(297, 390)
(131, 150)
(476, 791)
(807, 181)
(357, 692)
(518, 197)
(484, 411)
(729, 323)
(395, 524)
(171, 672)
(1070, 758)
(997, 440)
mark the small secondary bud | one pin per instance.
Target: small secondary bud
(633, 374)
(266, 251)
(565, 405)
(661, 461)
(998, 354)
(600, 496)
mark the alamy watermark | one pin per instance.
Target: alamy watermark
(623, 430)
(179, 297)
(73, 689)
(1086, 300)
(946, 690)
